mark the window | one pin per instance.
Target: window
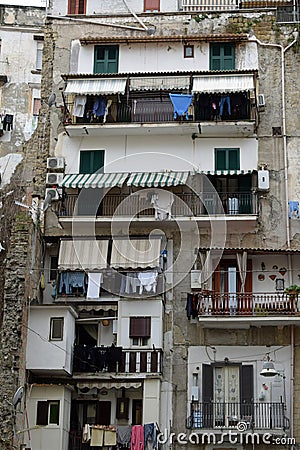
(140, 342)
(106, 59)
(91, 161)
(140, 327)
(76, 6)
(227, 159)
(47, 413)
(39, 55)
(151, 5)
(56, 328)
(222, 56)
(122, 408)
(188, 51)
(36, 106)
(53, 268)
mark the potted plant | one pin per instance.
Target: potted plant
(293, 291)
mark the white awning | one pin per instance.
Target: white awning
(208, 84)
(159, 83)
(80, 254)
(135, 253)
(94, 180)
(157, 179)
(96, 86)
(108, 385)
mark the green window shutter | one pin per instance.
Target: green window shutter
(228, 57)
(106, 59)
(227, 159)
(215, 57)
(91, 161)
(222, 56)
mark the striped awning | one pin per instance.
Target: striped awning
(135, 253)
(81, 254)
(208, 84)
(94, 180)
(96, 86)
(226, 172)
(108, 385)
(159, 83)
(157, 179)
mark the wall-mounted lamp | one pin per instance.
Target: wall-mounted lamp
(268, 369)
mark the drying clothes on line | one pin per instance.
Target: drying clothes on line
(79, 105)
(99, 106)
(129, 283)
(8, 122)
(148, 281)
(123, 434)
(137, 437)
(192, 306)
(109, 438)
(96, 437)
(225, 99)
(86, 435)
(95, 279)
(181, 104)
(71, 283)
(150, 436)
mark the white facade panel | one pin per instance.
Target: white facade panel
(151, 400)
(43, 353)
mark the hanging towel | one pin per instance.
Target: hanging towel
(109, 438)
(181, 104)
(137, 437)
(79, 105)
(96, 438)
(148, 281)
(123, 434)
(94, 283)
(86, 435)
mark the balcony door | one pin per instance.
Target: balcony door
(226, 395)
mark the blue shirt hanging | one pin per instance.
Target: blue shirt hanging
(181, 104)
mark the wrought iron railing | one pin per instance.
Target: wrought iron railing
(261, 416)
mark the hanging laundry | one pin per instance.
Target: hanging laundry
(192, 306)
(225, 99)
(99, 106)
(150, 436)
(79, 105)
(109, 438)
(123, 434)
(95, 279)
(181, 104)
(148, 281)
(86, 435)
(96, 437)
(8, 122)
(137, 437)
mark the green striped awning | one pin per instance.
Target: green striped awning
(156, 179)
(226, 172)
(94, 180)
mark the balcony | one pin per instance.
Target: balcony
(137, 206)
(257, 416)
(89, 359)
(135, 105)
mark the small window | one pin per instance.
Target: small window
(53, 268)
(39, 55)
(76, 6)
(47, 413)
(56, 328)
(188, 51)
(36, 106)
(151, 5)
(227, 159)
(140, 341)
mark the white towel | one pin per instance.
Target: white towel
(94, 283)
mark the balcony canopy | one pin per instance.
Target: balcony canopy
(159, 83)
(96, 86)
(135, 253)
(157, 179)
(83, 254)
(218, 84)
(94, 180)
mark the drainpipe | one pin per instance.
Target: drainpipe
(286, 189)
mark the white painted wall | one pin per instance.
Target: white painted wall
(270, 261)
(49, 436)
(135, 308)
(165, 57)
(281, 356)
(167, 152)
(151, 401)
(43, 354)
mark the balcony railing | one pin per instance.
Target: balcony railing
(115, 359)
(258, 416)
(248, 304)
(185, 205)
(208, 5)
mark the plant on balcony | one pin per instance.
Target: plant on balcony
(293, 290)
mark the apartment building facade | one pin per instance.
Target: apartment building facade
(169, 226)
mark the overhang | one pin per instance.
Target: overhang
(96, 86)
(210, 84)
(94, 180)
(135, 253)
(83, 254)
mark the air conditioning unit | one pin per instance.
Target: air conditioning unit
(56, 194)
(263, 183)
(195, 279)
(195, 394)
(56, 163)
(54, 178)
(115, 327)
(261, 100)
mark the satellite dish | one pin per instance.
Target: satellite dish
(18, 396)
(51, 99)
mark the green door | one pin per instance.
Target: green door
(106, 59)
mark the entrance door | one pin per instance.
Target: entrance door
(103, 413)
(226, 395)
(137, 412)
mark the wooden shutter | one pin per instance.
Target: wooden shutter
(151, 5)
(106, 59)
(248, 282)
(76, 6)
(222, 56)
(140, 327)
(233, 159)
(91, 161)
(207, 395)
(42, 413)
(220, 159)
(36, 106)
(246, 384)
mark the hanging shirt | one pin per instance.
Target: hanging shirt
(99, 106)
(79, 105)
(137, 437)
